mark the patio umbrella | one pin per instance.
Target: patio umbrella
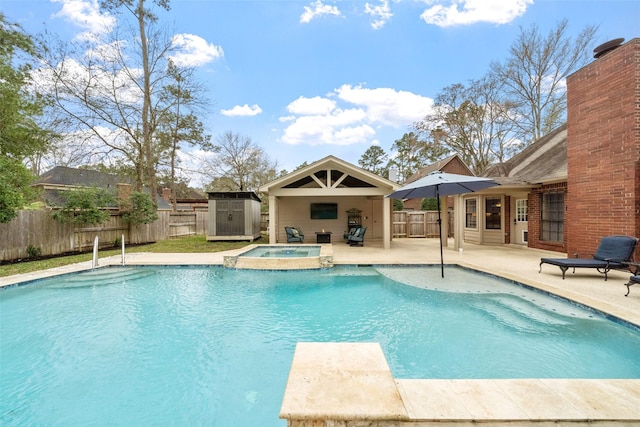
(438, 184)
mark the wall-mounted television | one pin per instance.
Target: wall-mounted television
(324, 211)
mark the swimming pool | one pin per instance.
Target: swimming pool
(208, 345)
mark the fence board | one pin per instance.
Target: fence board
(418, 224)
(38, 229)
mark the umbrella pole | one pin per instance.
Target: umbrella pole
(440, 231)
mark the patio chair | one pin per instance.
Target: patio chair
(294, 235)
(350, 233)
(612, 252)
(633, 280)
(357, 238)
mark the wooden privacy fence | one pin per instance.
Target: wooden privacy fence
(418, 224)
(38, 230)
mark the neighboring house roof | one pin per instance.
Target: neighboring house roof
(543, 161)
(62, 178)
(331, 175)
(451, 164)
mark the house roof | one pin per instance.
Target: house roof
(543, 161)
(62, 178)
(330, 176)
(441, 165)
(72, 177)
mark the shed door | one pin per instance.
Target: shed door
(230, 218)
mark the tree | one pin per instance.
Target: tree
(375, 160)
(15, 189)
(21, 135)
(179, 122)
(413, 153)
(118, 89)
(240, 165)
(534, 73)
(138, 209)
(472, 121)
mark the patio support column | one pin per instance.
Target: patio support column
(386, 222)
(444, 216)
(458, 220)
(273, 220)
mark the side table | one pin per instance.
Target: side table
(323, 237)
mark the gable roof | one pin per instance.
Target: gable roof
(330, 176)
(543, 161)
(451, 164)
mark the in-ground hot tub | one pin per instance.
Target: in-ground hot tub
(282, 257)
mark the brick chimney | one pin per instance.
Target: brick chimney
(124, 191)
(603, 149)
(166, 194)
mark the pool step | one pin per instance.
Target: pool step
(522, 314)
(104, 276)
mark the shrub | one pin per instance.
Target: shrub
(85, 206)
(33, 251)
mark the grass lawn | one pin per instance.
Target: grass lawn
(191, 244)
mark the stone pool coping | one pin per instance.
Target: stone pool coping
(323, 260)
(350, 384)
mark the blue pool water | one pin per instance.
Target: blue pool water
(213, 346)
(283, 252)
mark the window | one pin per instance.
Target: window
(553, 217)
(521, 210)
(471, 213)
(493, 213)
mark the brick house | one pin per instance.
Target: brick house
(581, 181)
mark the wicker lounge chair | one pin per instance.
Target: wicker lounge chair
(357, 238)
(349, 234)
(612, 253)
(294, 235)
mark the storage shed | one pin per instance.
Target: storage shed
(234, 215)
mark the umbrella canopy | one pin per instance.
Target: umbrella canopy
(438, 184)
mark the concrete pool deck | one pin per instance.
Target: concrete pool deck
(452, 402)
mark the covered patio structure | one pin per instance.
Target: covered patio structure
(316, 198)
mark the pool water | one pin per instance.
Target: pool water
(283, 252)
(213, 346)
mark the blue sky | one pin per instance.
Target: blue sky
(308, 78)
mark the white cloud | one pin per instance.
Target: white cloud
(194, 51)
(319, 120)
(243, 110)
(85, 14)
(386, 106)
(380, 14)
(317, 9)
(311, 106)
(448, 13)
